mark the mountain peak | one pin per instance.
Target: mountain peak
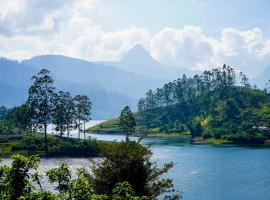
(137, 52)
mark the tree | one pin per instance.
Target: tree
(21, 116)
(127, 122)
(124, 191)
(63, 111)
(130, 162)
(62, 177)
(40, 101)
(83, 108)
(3, 112)
(14, 180)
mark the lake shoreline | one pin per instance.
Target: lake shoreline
(195, 141)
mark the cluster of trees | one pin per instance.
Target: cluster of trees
(125, 172)
(204, 103)
(45, 106)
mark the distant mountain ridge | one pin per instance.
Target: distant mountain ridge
(139, 61)
(109, 88)
(110, 85)
(15, 79)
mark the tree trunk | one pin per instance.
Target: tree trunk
(127, 137)
(61, 131)
(79, 132)
(68, 131)
(84, 129)
(46, 139)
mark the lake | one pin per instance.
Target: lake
(202, 172)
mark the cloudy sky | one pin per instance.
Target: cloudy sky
(194, 34)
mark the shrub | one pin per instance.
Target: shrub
(130, 162)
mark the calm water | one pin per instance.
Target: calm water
(203, 172)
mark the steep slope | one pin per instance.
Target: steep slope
(139, 61)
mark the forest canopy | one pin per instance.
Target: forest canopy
(218, 103)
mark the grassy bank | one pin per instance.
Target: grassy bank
(112, 127)
(58, 146)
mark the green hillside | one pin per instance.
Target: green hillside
(212, 107)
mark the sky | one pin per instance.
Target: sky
(192, 34)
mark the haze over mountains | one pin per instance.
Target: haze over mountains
(263, 79)
(109, 85)
(139, 61)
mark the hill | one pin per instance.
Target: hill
(209, 107)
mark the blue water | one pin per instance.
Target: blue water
(208, 172)
(201, 172)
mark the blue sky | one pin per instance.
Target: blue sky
(211, 15)
(193, 34)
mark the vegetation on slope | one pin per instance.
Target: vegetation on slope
(211, 105)
(211, 108)
(109, 126)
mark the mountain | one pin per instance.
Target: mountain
(263, 78)
(81, 72)
(108, 87)
(15, 79)
(139, 61)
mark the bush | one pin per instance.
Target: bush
(58, 146)
(130, 162)
(247, 138)
(206, 135)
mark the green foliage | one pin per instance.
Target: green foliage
(130, 162)
(127, 122)
(124, 191)
(45, 106)
(63, 111)
(109, 126)
(61, 176)
(210, 103)
(16, 181)
(83, 108)
(40, 101)
(58, 146)
(21, 116)
(3, 112)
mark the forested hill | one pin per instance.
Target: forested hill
(212, 104)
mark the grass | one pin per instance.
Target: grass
(218, 141)
(109, 126)
(164, 135)
(58, 146)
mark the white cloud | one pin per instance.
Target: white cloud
(188, 47)
(29, 28)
